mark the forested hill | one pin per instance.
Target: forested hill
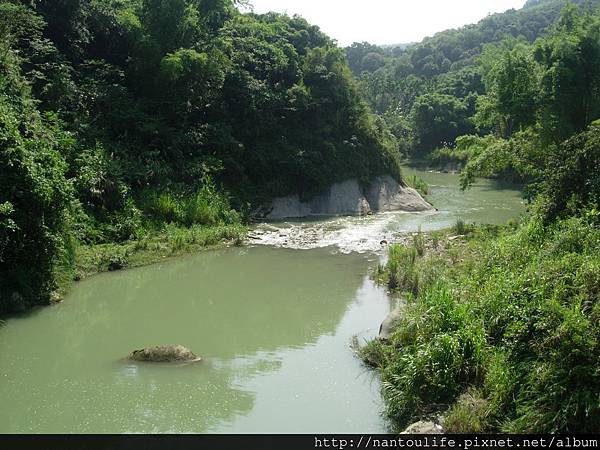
(117, 114)
(508, 339)
(452, 50)
(433, 92)
(171, 90)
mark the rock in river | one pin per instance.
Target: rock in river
(164, 353)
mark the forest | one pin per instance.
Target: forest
(121, 116)
(451, 85)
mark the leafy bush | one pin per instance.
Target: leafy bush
(35, 198)
(571, 180)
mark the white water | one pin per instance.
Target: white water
(487, 202)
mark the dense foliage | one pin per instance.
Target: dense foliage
(35, 196)
(500, 76)
(121, 115)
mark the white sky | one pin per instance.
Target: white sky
(386, 21)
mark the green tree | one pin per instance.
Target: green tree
(35, 196)
(512, 85)
(570, 60)
(438, 120)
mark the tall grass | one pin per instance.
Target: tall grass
(156, 245)
(164, 207)
(401, 269)
(418, 183)
(419, 243)
(207, 206)
(460, 227)
(508, 343)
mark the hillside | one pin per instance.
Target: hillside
(451, 50)
(428, 92)
(501, 333)
(121, 116)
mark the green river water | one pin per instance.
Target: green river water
(272, 320)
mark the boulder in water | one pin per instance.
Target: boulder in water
(164, 353)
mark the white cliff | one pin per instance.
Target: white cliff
(349, 199)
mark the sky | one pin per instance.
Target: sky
(386, 21)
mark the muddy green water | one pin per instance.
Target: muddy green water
(273, 323)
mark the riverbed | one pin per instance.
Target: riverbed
(273, 320)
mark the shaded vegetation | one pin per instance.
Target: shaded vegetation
(153, 247)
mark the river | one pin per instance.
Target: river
(273, 321)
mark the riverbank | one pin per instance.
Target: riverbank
(170, 242)
(227, 306)
(500, 330)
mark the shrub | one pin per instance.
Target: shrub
(460, 227)
(468, 415)
(571, 181)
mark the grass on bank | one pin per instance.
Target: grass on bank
(156, 246)
(501, 331)
(418, 183)
(169, 223)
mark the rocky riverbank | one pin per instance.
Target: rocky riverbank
(349, 198)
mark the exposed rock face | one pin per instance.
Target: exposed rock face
(387, 326)
(164, 353)
(289, 207)
(348, 198)
(342, 199)
(386, 194)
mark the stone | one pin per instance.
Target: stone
(386, 194)
(424, 427)
(387, 326)
(164, 353)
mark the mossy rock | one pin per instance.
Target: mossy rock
(164, 353)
